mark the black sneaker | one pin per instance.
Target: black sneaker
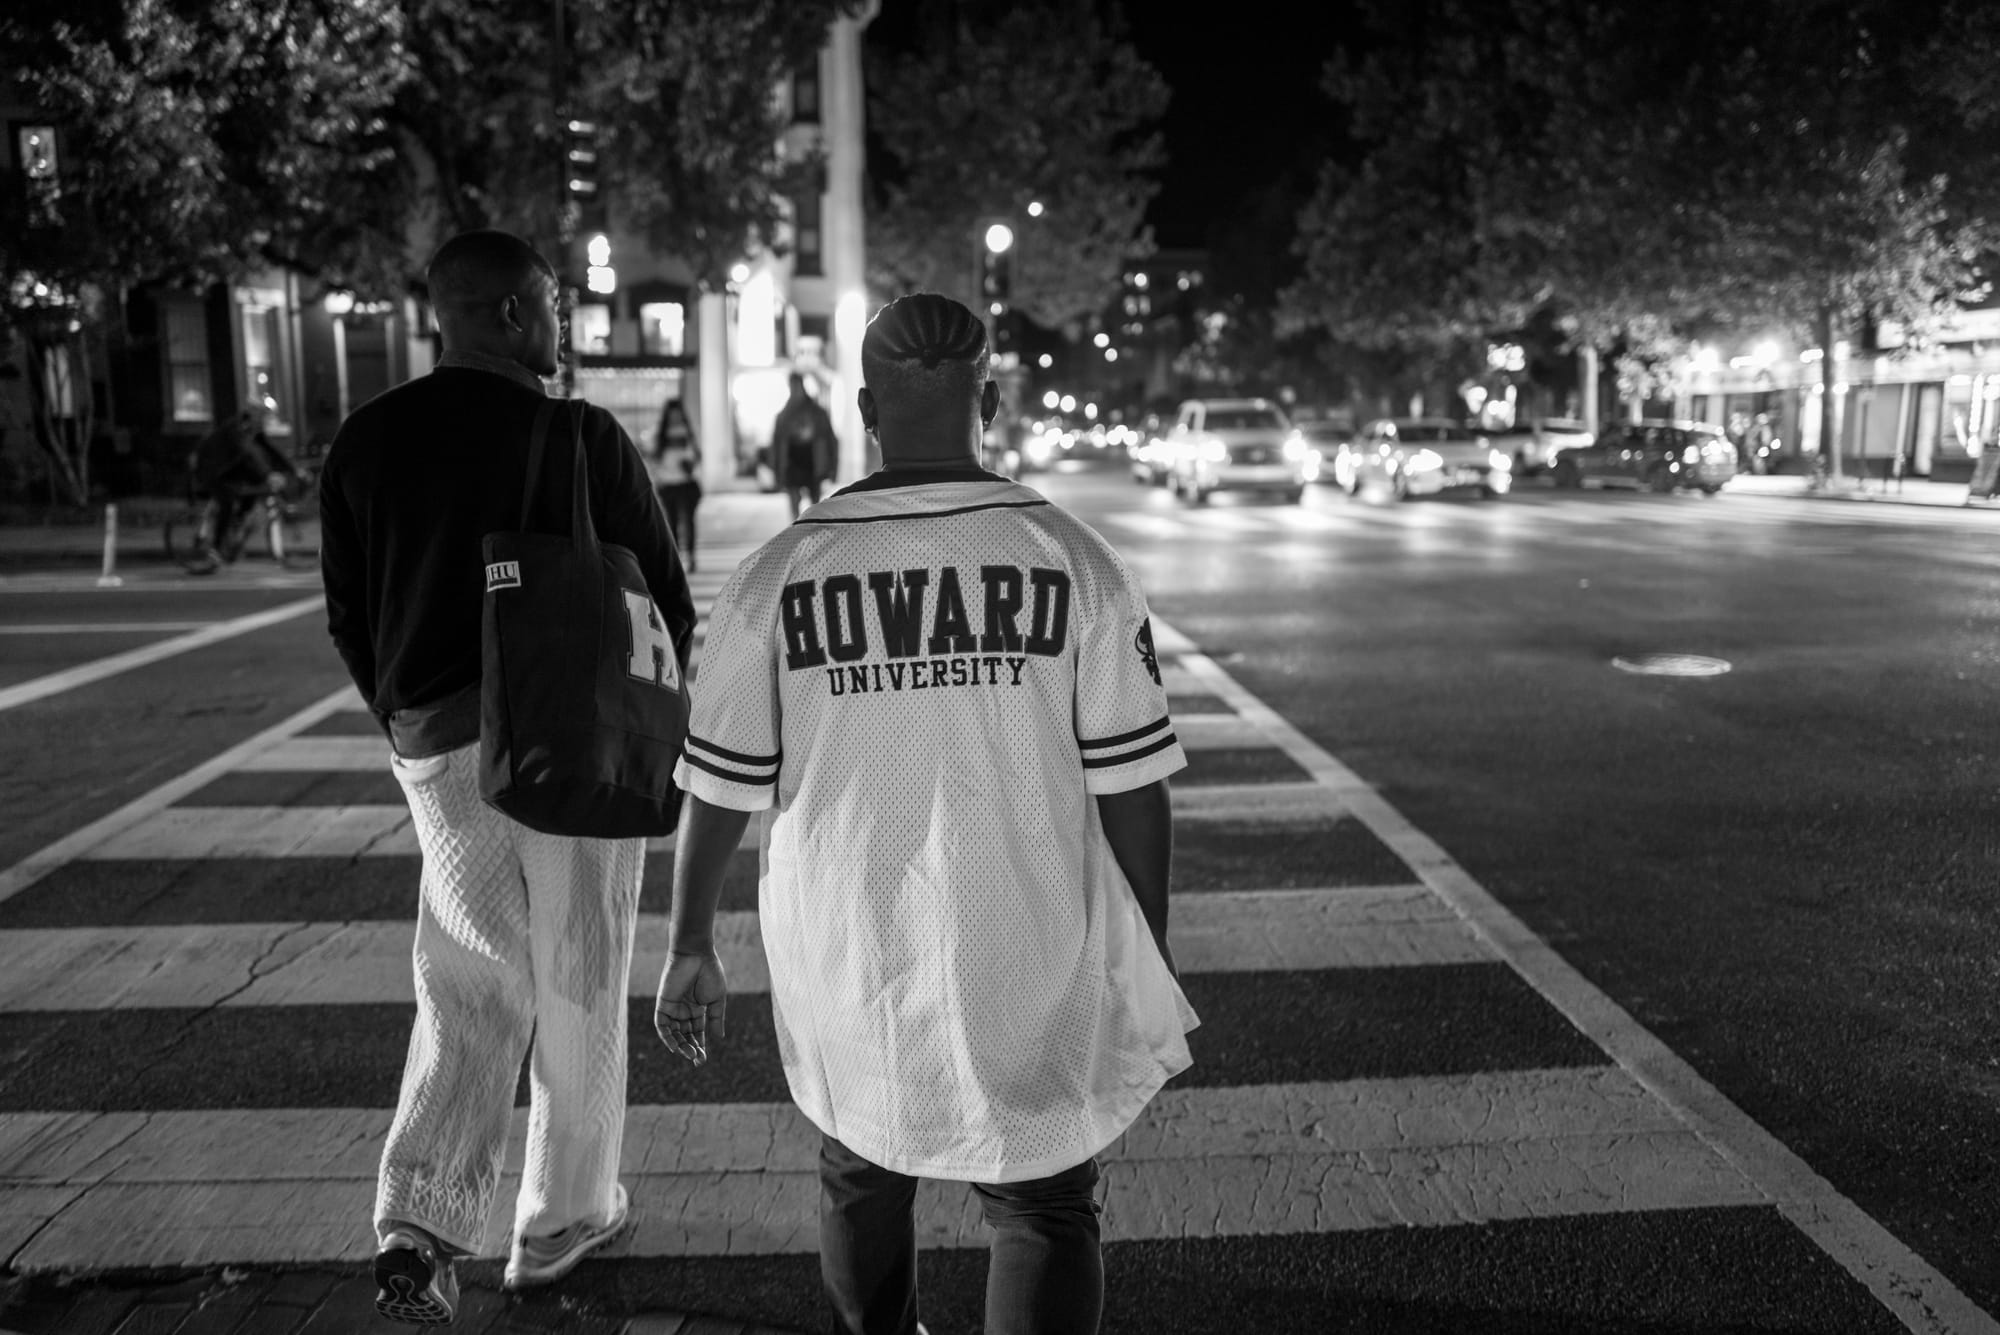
(414, 1280)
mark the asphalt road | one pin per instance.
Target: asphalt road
(1787, 872)
(1790, 873)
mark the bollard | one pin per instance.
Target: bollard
(108, 577)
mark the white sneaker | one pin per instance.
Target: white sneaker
(545, 1260)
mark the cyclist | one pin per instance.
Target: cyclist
(237, 465)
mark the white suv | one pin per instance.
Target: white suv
(1236, 445)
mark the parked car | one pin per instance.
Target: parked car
(1423, 456)
(1653, 455)
(1236, 445)
(1534, 448)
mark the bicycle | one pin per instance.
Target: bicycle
(194, 544)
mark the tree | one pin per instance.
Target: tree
(1648, 170)
(345, 140)
(1001, 106)
(189, 145)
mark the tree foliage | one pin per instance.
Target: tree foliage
(1005, 104)
(345, 138)
(1650, 171)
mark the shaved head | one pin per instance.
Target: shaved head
(495, 294)
(483, 268)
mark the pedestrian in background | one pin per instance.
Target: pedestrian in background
(803, 447)
(523, 940)
(676, 475)
(947, 688)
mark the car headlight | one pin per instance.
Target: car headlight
(1295, 446)
(1214, 452)
(1503, 462)
(1423, 461)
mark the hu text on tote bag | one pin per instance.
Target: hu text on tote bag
(583, 709)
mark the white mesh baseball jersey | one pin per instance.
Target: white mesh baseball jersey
(929, 681)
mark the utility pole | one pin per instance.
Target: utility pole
(565, 209)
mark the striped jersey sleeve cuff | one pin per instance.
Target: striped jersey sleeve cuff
(726, 778)
(1126, 747)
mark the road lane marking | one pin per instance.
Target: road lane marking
(80, 843)
(103, 627)
(55, 683)
(363, 963)
(256, 1186)
(1910, 1287)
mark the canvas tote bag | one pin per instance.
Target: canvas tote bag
(583, 710)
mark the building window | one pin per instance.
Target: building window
(265, 379)
(189, 385)
(807, 240)
(590, 330)
(805, 93)
(662, 328)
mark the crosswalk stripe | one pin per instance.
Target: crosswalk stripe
(1197, 732)
(364, 963)
(363, 831)
(185, 1189)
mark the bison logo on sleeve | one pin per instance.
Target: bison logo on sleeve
(1143, 642)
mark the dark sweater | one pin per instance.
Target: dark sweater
(416, 477)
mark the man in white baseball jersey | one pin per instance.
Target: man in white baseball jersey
(946, 687)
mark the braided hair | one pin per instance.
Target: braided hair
(924, 348)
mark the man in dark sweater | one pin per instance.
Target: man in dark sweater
(521, 937)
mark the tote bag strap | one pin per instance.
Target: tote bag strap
(538, 441)
(581, 529)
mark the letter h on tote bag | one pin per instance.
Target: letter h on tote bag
(583, 710)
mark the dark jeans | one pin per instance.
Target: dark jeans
(679, 500)
(1045, 1277)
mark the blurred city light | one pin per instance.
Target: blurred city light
(999, 237)
(1035, 208)
(598, 249)
(1141, 281)
(1051, 399)
(1068, 403)
(739, 272)
(1111, 354)
(338, 302)
(1090, 411)
(1046, 361)
(1702, 357)
(1102, 340)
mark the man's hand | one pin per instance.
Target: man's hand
(693, 992)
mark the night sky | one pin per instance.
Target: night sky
(1245, 107)
(1246, 101)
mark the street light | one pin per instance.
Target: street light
(999, 237)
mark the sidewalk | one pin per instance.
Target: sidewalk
(726, 518)
(1910, 491)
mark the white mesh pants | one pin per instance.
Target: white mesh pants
(520, 936)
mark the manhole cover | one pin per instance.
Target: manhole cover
(1671, 665)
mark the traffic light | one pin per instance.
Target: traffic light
(996, 267)
(580, 161)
